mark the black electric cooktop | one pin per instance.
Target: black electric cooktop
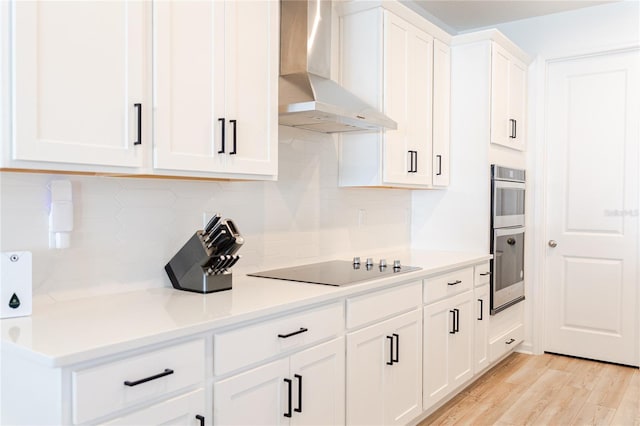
(335, 272)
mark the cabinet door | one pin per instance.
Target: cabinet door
(189, 79)
(441, 112)
(181, 410)
(367, 358)
(257, 397)
(438, 324)
(318, 376)
(408, 74)
(79, 71)
(500, 124)
(251, 84)
(481, 331)
(461, 342)
(517, 100)
(403, 379)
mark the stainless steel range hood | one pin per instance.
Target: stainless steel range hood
(308, 98)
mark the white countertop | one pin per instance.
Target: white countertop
(63, 333)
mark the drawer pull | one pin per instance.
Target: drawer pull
(284, 336)
(390, 362)
(299, 409)
(481, 309)
(484, 274)
(200, 419)
(397, 358)
(455, 282)
(166, 372)
(510, 341)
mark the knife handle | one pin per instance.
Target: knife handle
(212, 222)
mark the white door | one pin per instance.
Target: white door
(257, 397)
(438, 326)
(500, 125)
(189, 85)
(403, 381)
(79, 75)
(319, 385)
(441, 112)
(591, 285)
(481, 328)
(461, 342)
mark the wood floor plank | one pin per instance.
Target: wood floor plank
(547, 390)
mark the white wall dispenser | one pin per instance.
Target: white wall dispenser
(61, 214)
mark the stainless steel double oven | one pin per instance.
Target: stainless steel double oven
(507, 237)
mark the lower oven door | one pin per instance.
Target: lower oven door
(507, 271)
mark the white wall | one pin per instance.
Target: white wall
(126, 229)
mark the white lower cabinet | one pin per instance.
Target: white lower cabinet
(447, 351)
(304, 388)
(384, 364)
(188, 409)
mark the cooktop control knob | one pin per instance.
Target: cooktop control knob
(396, 264)
(369, 261)
(356, 261)
(383, 263)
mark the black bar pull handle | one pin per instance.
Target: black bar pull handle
(288, 382)
(223, 121)
(481, 309)
(439, 157)
(456, 314)
(397, 358)
(410, 161)
(484, 274)
(139, 108)
(235, 137)
(513, 128)
(415, 167)
(200, 419)
(510, 341)
(299, 409)
(166, 372)
(302, 330)
(390, 362)
(456, 282)
(453, 326)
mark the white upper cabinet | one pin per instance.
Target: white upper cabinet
(80, 82)
(441, 112)
(216, 73)
(508, 97)
(388, 61)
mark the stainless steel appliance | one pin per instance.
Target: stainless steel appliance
(337, 272)
(507, 237)
(308, 98)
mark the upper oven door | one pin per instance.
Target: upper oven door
(507, 204)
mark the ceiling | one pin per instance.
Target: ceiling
(458, 16)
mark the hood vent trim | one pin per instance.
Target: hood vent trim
(308, 98)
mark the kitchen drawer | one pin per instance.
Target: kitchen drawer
(101, 390)
(448, 284)
(482, 274)
(506, 342)
(244, 346)
(382, 304)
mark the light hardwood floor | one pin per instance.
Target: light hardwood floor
(547, 390)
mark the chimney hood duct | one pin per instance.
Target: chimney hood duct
(308, 98)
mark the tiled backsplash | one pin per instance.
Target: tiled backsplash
(126, 229)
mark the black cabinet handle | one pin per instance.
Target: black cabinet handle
(410, 162)
(510, 341)
(415, 166)
(139, 107)
(284, 336)
(200, 419)
(299, 409)
(397, 358)
(235, 136)
(456, 315)
(484, 274)
(456, 282)
(481, 309)
(223, 121)
(439, 157)
(390, 362)
(453, 326)
(166, 372)
(288, 382)
(513, 128)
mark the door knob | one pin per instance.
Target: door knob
(553, 243)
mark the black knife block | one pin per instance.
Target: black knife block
(187, 269)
